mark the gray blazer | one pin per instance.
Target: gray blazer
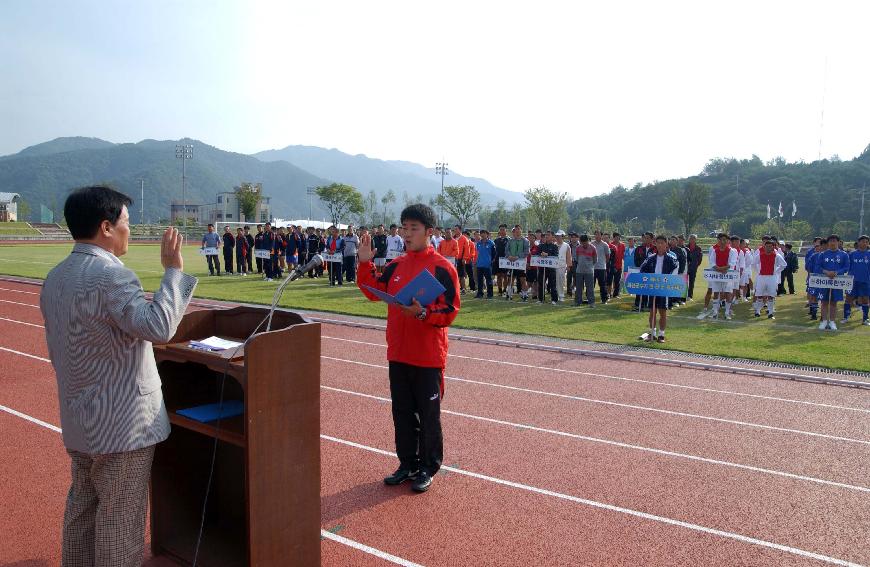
(99, 329)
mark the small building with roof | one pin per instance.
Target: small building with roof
(9, 207)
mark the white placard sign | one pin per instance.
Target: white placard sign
(334, 258)
(546, 262)
(451, 259)
(518, 264)
(824, 282)
(208, 251)
(380, 261)
(263, 254)
(393, 254)
(732, 276)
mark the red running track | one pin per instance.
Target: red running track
(552, 460)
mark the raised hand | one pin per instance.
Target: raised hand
(365, 251)
(170, 249)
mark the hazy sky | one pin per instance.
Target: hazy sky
(576, 96)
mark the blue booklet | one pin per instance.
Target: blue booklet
(211, 412)
(424, 287)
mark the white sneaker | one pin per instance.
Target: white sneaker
(832, 326)
(866, 322)
(823, 325)
(728, 316)
(844, 321)
(702, 315)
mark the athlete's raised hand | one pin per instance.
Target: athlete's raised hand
(365, 252)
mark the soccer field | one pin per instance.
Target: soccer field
(791, 338)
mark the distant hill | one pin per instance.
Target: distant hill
(827, 194)
(45, 173)
(368, 174)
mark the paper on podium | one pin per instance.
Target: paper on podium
(214, 344)
(424, 288)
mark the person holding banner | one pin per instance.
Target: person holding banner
(416, 347)
(547, 275)
(810, 266)
(516, 249)
(565, 261)
(831, 263)
(662, 262)
(585, 256)
(769, 265)
(694, 257)
(335, 245)
(859, 269)
(722, 259)
(250, 240)
(229, 248)
(258, 245)
(210, 243)
(501, 276)
(267, 245)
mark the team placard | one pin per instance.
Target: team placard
(393, 254)
(658, 285)
(335, 257)
(518, 264)
(546, 262)
(824, 282)
(732, 276)
(208, 251)
(263, 254)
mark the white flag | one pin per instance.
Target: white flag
(768, 211)
(793, 208)
(780, 209)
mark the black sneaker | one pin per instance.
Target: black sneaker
(770, 316)
(422, 482)
(400, 476)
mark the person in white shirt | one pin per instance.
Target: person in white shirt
(436, 238)
(743, 263)
(769, 265)
(395, 243)
(565, 258)
(722, 259)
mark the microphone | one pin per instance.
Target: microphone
(315, 262)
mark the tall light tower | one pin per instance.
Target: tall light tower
(441, 169)
(141, 201)
(311, 191)
(184, 152)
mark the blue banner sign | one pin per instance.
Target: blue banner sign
(658, 285)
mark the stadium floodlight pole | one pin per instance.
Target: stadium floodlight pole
(861, 225)
(184, 152)
(141, 201)
(441, 169)
(311, 191)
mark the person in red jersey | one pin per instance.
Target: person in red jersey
(416, 346)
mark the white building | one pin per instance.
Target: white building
(9, 207)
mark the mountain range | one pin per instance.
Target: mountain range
(43, 174)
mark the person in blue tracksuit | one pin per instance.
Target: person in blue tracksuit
(859, 269)
(812, 296)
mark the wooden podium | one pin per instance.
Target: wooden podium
(264, 504)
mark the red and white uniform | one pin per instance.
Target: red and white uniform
(748, 259)
(718, 257)
(769, 266)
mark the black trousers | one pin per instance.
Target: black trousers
(416, 394)
(460, 271)
(601, 282)
(570, 281)
(547, 276)
(692, 274)
(786, 276)
(228, 260)
(241, 263)
(214, 263)
(259, 265)
(349, 268)
(250, 260)
(484, 276)
(335, 273)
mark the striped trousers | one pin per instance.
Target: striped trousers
(104, 521)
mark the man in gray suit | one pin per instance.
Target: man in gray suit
(99, 329)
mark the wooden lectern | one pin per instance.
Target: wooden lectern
(264, 504)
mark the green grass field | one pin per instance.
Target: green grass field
(791, 338)
(17, 229)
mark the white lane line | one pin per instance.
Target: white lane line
(18, 352)
(22, 322)
(626, 379)
(19, 303)
(632, 406)
(618, 509)
(621, 445)
(561, 496)
(370, 550)
(328, 535)
(19, 291)
(30, 418)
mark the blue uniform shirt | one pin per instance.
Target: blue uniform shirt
(831, 261)
(485, 253)
(859, 265)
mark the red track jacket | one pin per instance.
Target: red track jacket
(409, 340)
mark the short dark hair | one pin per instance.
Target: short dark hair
(259, 226)
(863, 237)
(484, 231)
(648, 233)
(211, 225)
(661, 237)
(615, 235)
(392, 226)
(420, 213)
(584, 237)
(834, 236)
(502, 226)
(720, 235)
(788, 246)
(247, 227)
(87, 207)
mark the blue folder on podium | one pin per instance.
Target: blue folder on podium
(212, 412)
(424, 288)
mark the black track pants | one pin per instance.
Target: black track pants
(416, 394)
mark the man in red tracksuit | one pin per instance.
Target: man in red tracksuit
(416, 346)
